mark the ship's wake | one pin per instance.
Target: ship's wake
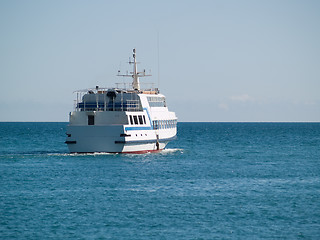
(171, 150)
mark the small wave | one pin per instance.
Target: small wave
(32, 153)
(171, 150)
(81, 154)
(164, 151)
(66, 154)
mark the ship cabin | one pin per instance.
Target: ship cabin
(115, 99)
(101, 106)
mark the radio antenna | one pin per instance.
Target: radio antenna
(158, 40)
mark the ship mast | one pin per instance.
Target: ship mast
(135, 74)
(135, 82)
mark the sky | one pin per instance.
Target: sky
(215, 60)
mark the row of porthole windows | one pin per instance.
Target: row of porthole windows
(137, 119)
(164, 124)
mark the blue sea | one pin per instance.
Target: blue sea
(216, 181)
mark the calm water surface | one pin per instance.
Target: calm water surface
(216, 181)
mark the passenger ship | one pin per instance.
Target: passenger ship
(121, 120)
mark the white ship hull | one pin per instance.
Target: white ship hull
(93, 139)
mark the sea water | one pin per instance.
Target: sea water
(216, 181)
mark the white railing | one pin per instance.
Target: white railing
(107, 104)
(128, 105)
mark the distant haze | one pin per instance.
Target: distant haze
(219, 60)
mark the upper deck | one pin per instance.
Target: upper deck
(114, 99)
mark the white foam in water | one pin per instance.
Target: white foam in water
(165, 151)
(172, 150)
(80, 154)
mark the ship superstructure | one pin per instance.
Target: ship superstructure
(121, 120)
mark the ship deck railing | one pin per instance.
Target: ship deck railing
(128, 105)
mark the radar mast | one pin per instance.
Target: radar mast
(135, 74)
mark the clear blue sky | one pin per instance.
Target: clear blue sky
(219, 60)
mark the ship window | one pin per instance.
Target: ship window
(156, 101)
(91, 120)
(131, 120)
(135, 118)
(140, 119)
(144, 119)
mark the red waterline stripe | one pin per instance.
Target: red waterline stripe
(142, 152)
